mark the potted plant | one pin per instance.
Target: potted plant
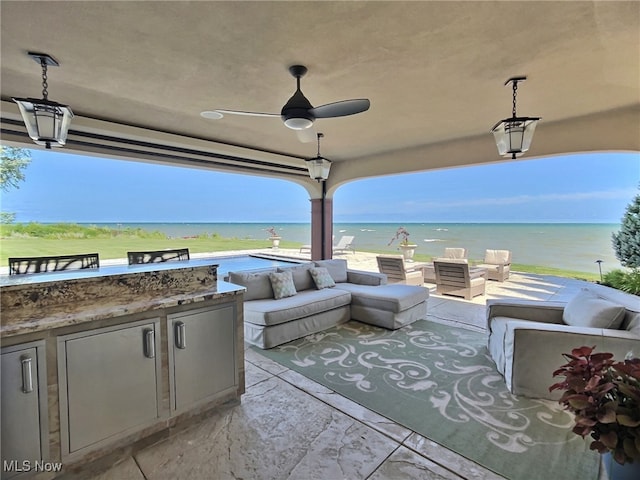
(408, 248)
(274, 237)
(604, 396)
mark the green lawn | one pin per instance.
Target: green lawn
(117, 247)
(110, 248)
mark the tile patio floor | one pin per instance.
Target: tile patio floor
(289, 427)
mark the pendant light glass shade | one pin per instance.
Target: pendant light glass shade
(513, 135)
(47, 122)
(319, 168)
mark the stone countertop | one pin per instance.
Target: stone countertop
(54, 300)
(89, 311)
(89, 273)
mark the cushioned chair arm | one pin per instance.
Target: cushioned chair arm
(531, 310)
(534, 351)
(362, 277)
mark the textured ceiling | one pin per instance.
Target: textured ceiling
(434, 71)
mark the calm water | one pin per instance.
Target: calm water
(569, 246)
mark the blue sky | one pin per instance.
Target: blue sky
(577, 188)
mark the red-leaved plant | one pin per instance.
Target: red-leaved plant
(604, 395)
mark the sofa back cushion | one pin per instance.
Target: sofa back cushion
(588, 310)
(301, 277)
(257, 283)
(497, 256)
(454, 252)
(631, 322)
(337, 268)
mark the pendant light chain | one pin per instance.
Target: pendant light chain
(45, 85)
(320, 135)
(515, 87)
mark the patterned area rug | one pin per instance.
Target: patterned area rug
(440, 382)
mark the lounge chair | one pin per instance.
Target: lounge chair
(449, 253)
(397, 271)
(344, 244)
(305, 249)
(22, 265)
(453, 278)
(156, 256)
(497, 263)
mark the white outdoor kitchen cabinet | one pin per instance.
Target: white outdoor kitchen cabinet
(109, 383)
(202, 349)
(24, 406)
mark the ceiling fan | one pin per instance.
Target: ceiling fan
(298, 114)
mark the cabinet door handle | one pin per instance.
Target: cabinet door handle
(149, 343)
(27, 378)
(181, 339)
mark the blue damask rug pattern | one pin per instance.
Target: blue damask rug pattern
(440, 382)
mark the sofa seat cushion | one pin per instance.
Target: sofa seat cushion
(269, 312)
(491, 267)
(391, 298)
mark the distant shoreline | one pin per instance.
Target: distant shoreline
(572, 247)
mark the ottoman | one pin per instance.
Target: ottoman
(388, 306)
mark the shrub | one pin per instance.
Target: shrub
(626, 242)
(73, 230)
(625, 281)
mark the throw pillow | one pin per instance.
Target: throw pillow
(322, 278)
(588, 310)
(282, 284)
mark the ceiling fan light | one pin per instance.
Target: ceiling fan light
(319, 168)
(298, 123)
(47, 122)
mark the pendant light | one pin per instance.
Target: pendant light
(319, 167)
(47, 122)
(513, 135)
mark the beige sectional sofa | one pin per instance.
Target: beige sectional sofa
(357, 295)
(527, 338)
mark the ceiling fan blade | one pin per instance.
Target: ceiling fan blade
(341, 109)
(249, 114)
(307, 135)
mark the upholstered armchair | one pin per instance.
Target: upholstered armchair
(497, 263)
(454, 278)
(450, 253)
(397, 271)
(527, 338)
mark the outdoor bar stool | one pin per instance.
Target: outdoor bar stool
(22, 265)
